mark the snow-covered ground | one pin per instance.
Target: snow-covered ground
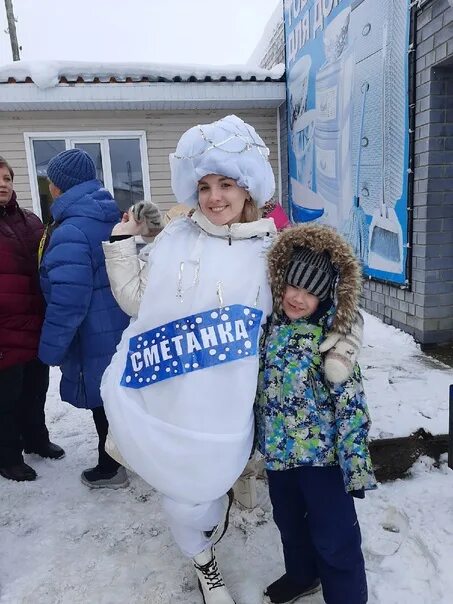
(61, 543)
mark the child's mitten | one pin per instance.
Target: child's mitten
(342, 352)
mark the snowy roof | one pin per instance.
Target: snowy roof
(49, 74)
(55, 85)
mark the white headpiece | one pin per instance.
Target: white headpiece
(228, 147)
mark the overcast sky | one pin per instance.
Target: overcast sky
(171, 31)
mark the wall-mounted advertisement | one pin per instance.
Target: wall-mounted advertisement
(348, 112)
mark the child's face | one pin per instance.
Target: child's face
(298, 303)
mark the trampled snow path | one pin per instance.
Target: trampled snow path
(61, 543)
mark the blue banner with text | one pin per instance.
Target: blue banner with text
(191, 343)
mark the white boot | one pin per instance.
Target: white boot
(210, 580)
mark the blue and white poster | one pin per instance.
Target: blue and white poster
(348, 113)
(192, 343)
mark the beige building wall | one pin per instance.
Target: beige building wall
(163, 130)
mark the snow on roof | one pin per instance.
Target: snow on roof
(49, 74)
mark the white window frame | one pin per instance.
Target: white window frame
(86, 136)
(105, 155)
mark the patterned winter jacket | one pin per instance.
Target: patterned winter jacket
(301, 419)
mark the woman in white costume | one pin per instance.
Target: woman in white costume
(179, 391)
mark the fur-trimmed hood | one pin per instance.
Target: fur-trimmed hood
(319, 238)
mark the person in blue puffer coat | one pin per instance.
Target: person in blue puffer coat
(83, 323)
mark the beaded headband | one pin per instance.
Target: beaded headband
(264, 151)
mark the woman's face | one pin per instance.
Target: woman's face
(6, 186)
(221, 199)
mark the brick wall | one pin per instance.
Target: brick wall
(426, 311)
(273, 55)
(275, 52)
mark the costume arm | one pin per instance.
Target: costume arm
(127, 273)
(342, 352)
(353, 425)
(70, 273)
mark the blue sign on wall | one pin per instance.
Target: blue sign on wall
(348, 113)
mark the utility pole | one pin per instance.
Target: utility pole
(12, 29)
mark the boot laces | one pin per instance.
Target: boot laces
(212, 574)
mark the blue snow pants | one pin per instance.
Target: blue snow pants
(320, 532)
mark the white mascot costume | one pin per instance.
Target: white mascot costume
(179, 391)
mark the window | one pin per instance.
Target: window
(43, 151)
(127, 177)
(120, 158)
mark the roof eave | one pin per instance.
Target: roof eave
(143, 96)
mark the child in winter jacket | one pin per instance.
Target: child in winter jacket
(312, 433)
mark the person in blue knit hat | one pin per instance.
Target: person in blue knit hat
(70, 168)
(83, 323)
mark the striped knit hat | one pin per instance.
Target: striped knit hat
(312, 271)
